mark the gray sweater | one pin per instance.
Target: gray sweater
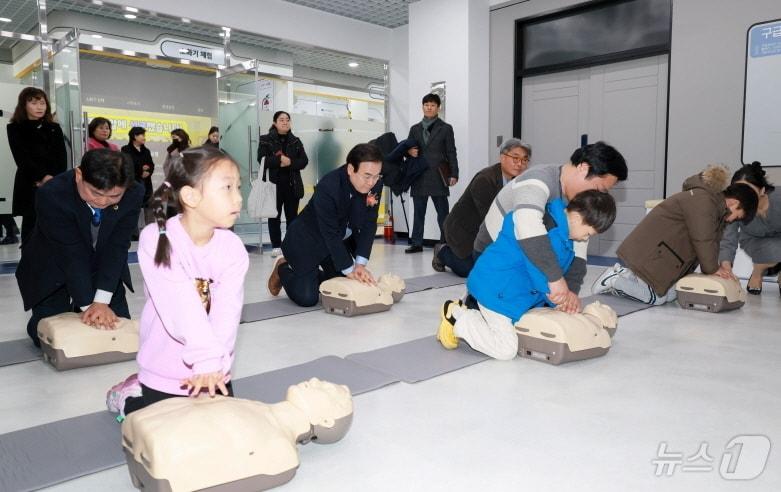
(526, 197)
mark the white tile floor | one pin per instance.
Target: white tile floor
(672, 376)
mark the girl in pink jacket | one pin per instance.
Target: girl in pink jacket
(194, 269)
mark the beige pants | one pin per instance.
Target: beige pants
(488, 332)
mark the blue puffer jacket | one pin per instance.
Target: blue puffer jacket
(504, 280)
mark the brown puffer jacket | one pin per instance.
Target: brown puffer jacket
(680, 233)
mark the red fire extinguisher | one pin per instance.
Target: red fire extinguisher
(388, 232)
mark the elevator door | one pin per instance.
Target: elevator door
(624, 104)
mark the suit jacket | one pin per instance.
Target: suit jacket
(463, 222)
(60, 252)
(319, 230)
(441, 147)
(38, 148)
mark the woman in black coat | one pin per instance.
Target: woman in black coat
(143, 164)
(285, 158)
(38, 147)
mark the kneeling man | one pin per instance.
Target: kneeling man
(506, 283)
(334, 233)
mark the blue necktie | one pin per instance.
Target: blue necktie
(96, 212)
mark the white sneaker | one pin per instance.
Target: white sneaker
(604, 283)
(276, 252)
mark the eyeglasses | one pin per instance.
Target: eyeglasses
(517, 159)
(370, 178)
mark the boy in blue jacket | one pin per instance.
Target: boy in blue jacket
(506, 283)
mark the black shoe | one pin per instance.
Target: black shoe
(772, 271)
(436, 263)
(414, 249)
(753, 291)
(9, 240)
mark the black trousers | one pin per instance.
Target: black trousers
(7, 223)
(60, 302)
(302, 285)
(419, 221)
(287, 199)
(460, 266)
(150, 396)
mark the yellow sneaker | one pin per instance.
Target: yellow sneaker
(445, 333)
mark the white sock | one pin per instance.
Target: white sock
(457, 311)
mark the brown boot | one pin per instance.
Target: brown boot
(274, 282)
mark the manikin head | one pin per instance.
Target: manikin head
(328, 406)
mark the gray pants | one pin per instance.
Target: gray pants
(629, 285)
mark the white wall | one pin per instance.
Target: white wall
(283, 20)
(706, 82)
(7, 74)
(399, 82)
(448, 41)
(707, 65)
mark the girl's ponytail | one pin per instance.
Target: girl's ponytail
(188, 169)
(160, 199)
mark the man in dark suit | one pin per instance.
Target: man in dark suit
(334, 233)
(463, 222)
(439, 148)
(76, 257)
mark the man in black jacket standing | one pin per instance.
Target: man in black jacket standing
(439, 148)
(76, 257)
(334, 233)
(463, 222)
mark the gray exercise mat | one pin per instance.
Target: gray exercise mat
(18, 351)
(56, 452)
(621, 305)
(418, 360)
(272, 386)
(275, 308)
(52, 453)
(435, 281)
(259, 311)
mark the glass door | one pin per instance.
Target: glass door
(239, 118)
(65, 93)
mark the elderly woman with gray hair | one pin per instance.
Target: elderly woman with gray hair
(463, 222)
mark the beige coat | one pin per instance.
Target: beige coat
(680, 233)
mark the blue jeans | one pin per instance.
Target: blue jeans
(460, 266)
(421, 202)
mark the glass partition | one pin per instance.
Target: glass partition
(239, 119)
(65, 92)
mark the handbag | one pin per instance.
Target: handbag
(262, 200)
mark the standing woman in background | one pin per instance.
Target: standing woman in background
(285, 158)
(213, 139)
(99, 131)
(38, 147)
(180, 141)
(143, 165)
(760, 238)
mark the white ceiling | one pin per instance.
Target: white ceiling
(24, 19)
(387, 13)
